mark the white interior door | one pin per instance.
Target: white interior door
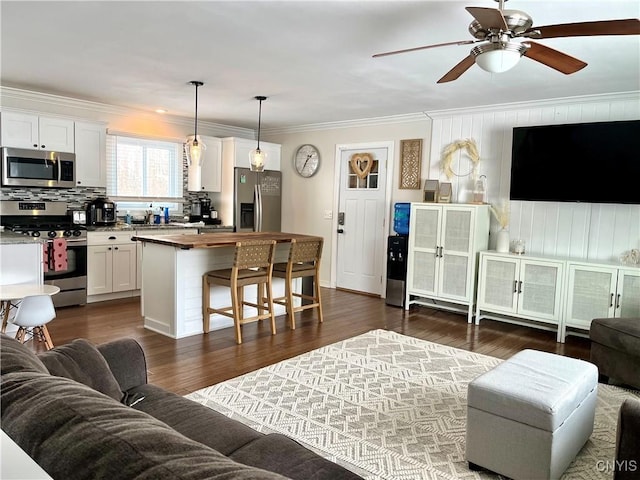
(362, 208)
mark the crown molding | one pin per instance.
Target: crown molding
(59, 101)
(362, 122)
(552, 102)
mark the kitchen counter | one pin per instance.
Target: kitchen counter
(159, 227)
(214, 240)
(172, 269)
(11, 238)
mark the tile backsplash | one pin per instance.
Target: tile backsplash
(78, 197)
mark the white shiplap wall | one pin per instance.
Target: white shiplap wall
(583, 230)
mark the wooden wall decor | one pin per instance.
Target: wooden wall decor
(410, 163)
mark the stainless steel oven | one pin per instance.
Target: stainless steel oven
(37, 168)
(51, 221)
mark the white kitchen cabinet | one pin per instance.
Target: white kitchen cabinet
(91, 154)
(443, 244)
(25, 130)
(236, 152)
(111, 263)
(211, 170)
(523, 287)
(600, 291)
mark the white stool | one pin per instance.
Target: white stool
(530, 416)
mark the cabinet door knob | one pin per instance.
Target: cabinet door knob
(35, 145)
(611, 301)
(112, 238)
(42, 146)
(618, 301)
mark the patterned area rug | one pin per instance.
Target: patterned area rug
(387, 406)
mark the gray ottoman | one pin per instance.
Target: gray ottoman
(529, 417)
(615, 349)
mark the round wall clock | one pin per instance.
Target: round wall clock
(306, 160)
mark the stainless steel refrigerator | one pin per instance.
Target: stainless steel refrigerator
(257, 200)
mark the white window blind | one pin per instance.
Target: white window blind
(144, 171)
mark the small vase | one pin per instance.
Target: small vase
(502, 241)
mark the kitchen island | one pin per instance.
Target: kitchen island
(172, 269)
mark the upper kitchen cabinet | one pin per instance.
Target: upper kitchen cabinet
(236, 151)
(91, 153)
(25, 130)
(211, 173)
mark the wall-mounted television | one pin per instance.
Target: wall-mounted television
(582, 162)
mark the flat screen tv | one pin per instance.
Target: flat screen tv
(582, 162)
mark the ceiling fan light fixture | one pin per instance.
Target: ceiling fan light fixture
(194, 146)
(498, 57)
(257, 157)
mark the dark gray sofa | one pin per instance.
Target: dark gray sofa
(627, 464)
(87, 412)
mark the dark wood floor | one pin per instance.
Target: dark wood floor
(188, 364)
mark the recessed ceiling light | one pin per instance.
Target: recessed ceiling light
(161, 110)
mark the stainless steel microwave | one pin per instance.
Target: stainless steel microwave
(37, 168)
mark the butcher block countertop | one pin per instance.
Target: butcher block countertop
(213, 240)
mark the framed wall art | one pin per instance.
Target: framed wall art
(410, 163)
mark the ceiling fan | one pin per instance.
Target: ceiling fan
(496, 31)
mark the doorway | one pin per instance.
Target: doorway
(363, 211)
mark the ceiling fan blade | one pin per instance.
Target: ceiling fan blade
(553, 58)
(462, 42)
(629, 26)
(458, 70)
(488, 17)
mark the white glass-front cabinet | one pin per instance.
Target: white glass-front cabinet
(443, 245)
(524, 287)
(601, 291)
(24, 130)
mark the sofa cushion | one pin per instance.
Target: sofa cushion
(622, 334)
(74, 432)
(279, 453)
(192, 419)
(16, 357)
(82, 362)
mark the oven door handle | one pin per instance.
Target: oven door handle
(76, 243)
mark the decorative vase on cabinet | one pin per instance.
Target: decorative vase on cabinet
(502, 241)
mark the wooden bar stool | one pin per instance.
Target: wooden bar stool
(252, 265)
(304, 261)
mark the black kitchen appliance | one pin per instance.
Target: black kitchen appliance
(101, 211)
(397, 248)
(196, 211)
(205, 209)
(51, 221)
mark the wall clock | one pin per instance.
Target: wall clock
(306, 160)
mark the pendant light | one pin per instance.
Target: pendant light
(256, 156)
(193, 147)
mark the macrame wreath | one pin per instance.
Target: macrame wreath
(469, 146)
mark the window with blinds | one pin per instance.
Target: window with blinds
(141, 172)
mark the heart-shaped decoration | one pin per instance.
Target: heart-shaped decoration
(361, 164)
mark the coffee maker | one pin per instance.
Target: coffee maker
(205, 209)
(101, 211)
(196, 211)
